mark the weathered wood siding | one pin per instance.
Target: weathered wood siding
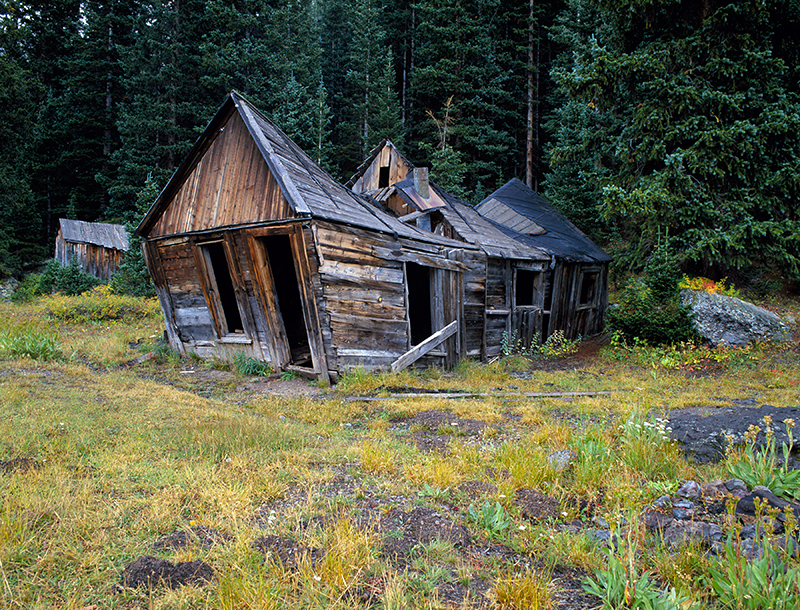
(231, 184)
(389, 158)
(497, 305)
(93, 259)
(568, 313)
(474, 303)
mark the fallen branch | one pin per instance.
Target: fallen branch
(451, 395)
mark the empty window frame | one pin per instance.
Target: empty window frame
(589, 289)
(525, 287)
(220, 289)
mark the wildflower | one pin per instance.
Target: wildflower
(317, 577)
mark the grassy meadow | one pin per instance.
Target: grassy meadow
(110, 442)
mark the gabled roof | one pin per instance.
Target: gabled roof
(362, 169)
(95, 233)
(561, 238)
(308, 189)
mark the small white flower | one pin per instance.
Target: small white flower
(563, 514)
(522, 528)
(317, 578)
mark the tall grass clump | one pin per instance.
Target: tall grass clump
(30, 341)
(247, 366)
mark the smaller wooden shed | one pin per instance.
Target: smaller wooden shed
(98, 247)
(572, 294)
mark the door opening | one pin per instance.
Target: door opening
(418, 281)
(230, 319)
(287, 291)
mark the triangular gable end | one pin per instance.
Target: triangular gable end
(224, 181)
(384, 167)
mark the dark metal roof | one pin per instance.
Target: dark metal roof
(96, 233)
(561, 239)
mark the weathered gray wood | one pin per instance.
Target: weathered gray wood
(416, 352)
(482, 395)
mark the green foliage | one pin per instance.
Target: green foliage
(26, 289)
(491, 518)
(69, 280)
(621, 586)
(761, 582)
(555, 346)
(650, 309)
(30, 341)
(99, 305)
(762, 467)
(248, 366)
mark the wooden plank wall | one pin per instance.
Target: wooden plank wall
(567, 314)
(230, 185)
(362, 299)
(474, 303)
(93, 259)
(498, 305)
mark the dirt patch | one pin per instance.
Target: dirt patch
(405, 530)
(536, 506)
(199, 536)
(19, 464)
(289, 552)
(151, 571)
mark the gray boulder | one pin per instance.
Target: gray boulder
(727, 320)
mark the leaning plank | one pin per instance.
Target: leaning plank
(481, 395)
(416, 352)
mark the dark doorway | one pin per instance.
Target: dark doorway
(418, 279)
(231, 319)
(383, 177)
(290, 304)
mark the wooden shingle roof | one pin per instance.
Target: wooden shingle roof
(95, 233)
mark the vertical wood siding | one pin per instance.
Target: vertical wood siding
(230, 185)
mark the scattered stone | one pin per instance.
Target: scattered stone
(736, 486)
(405, 530)
(683, 509)
(679, 532)
(536, 506)
(151, 571)
(560, 460)
(599, 535)
(724, 320)
(747, 505)
(664, 502)
(690, 489)
(747, 532)
(714, 489)
(7, 288)
(655, 521)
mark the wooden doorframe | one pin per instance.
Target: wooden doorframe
(279, 344)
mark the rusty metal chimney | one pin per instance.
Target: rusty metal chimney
(421, 182)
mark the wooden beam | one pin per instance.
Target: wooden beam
(416, 352)
(483, 395)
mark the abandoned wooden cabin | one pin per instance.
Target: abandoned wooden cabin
(255, 250)
(571, 295)
(98, 247)
(497, 278)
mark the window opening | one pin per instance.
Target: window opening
(290, 304)
(524, 289)
(548, 305)
(418, 281)
(383, 177)
(231, 319)
(588, 288)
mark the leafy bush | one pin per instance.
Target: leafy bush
(709, 286)
(250, 367)
(99, 305)
(26, 289)
(132, 278)
(29, 341)
(491, 518)
(650, 308)
(70, 280)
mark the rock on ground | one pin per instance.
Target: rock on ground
(727, 320)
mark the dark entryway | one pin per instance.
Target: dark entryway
(230, 318)
(290, 304)
(418, 280)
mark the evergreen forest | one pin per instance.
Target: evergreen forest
(647, 122)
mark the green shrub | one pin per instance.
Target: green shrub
(132, 278)
(27, 288)
(650, 308)
(69, 280)
(99, 305)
